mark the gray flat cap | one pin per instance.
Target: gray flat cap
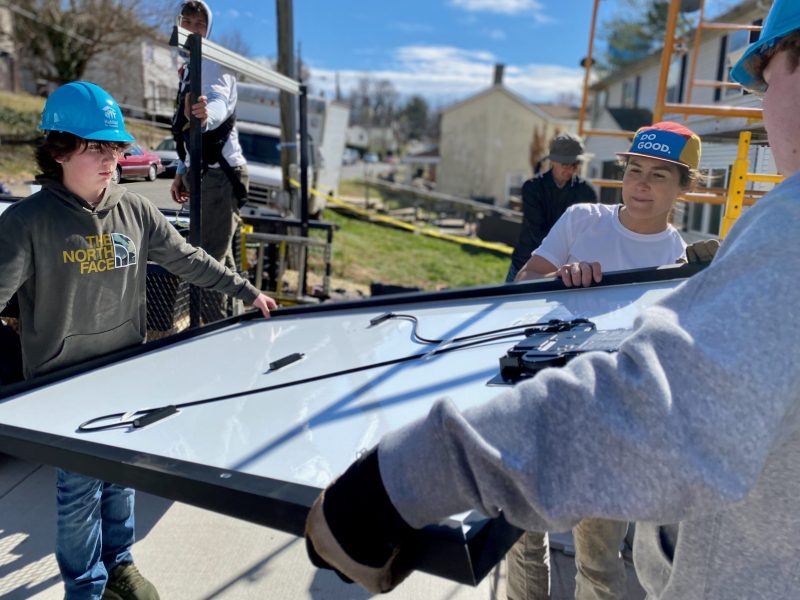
(566, 148)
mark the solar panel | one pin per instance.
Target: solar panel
(259, 443)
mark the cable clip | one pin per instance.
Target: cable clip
(380, 319)
(286, 360)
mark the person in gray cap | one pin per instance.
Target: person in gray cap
(546, 196)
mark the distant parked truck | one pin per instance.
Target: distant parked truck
(258, 122)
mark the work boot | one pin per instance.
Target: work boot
(126, 583)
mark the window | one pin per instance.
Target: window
(706, 218)
(258, 148)
(737, 42)
(166, 144)
(675, 80)
(611, 170)
(630, 92)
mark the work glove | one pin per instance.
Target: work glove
(702, 251)
(354, 529)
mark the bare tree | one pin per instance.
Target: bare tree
(567, 99)
(361, 102)
(384, 102)
(56, 39)
(233, 40)
(537, 149)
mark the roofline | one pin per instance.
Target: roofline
(736, 13)
(517, 98)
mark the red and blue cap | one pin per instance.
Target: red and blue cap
(667, 141)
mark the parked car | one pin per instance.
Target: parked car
(371, 158)
(168, 155)
(138, 162)
(349, 156)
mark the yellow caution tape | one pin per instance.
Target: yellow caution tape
(243, 246)
(403, 225)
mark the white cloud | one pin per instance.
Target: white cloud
(232, 13)
(508, 7)
(411, 27)
(447, 74)
(505, 7)
(497, 35)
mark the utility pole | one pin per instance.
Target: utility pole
(286, 66)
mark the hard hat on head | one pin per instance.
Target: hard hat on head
(85, 110)
(783, 19)
(566, 148)
(667, 141)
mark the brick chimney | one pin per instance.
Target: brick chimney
(498, 73)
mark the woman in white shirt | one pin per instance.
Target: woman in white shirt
(586, 241)
(590, 239)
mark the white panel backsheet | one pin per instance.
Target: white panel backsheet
(309, 433)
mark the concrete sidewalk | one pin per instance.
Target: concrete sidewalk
(194, 554)
(189, 553)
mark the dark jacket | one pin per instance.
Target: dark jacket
(543, 203)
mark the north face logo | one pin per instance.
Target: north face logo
(99, 253)
(124, 250)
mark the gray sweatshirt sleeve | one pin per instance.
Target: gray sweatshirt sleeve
(171, 251)
(16, 254)
(676, 425)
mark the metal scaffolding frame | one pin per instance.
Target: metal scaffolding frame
(736, 195)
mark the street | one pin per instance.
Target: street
(156, 191)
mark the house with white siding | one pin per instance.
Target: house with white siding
(624, 100)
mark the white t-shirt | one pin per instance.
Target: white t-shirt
(594, 233)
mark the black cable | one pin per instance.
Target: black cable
(144, 417)
(424, 340)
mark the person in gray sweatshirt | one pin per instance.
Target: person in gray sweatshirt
(692, 429)
(76, 254)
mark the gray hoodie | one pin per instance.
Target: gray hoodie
(692, 430)
(81, 273)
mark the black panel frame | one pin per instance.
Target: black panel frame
(447, 551)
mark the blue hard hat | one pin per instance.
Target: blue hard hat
(783, 19)
(85, 110)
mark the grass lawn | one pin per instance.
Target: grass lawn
(366, 252)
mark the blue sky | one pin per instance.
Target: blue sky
(444, 50)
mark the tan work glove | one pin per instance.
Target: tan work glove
(702, 251)
(354, 529)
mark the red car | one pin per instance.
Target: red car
(138, 162)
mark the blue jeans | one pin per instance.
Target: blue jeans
(94, 532)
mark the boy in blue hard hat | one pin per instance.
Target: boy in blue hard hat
(76, 253)
(692, 429)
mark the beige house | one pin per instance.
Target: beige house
(8, 55)
(144, 81)
(485, 142)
